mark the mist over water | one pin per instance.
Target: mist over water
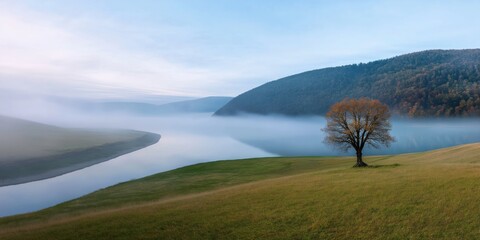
(194, 138)
(303, 136)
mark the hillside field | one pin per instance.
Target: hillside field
(429, 195)
(33, 151)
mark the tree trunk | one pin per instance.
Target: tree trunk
(360, 162)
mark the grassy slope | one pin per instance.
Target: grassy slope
(45, 140)
(32, 151)
(419, 196)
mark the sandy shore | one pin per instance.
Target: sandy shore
(28, 170)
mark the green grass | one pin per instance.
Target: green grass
(432, 195)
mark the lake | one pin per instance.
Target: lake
(195, 138)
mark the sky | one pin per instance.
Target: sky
(196, 48)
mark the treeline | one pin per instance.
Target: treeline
(442, 83)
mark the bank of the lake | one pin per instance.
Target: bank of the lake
(421, 195)
(33, 169)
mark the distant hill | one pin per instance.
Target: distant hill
(429, 83)
(201, 105)
(207, 104)
(32, 151)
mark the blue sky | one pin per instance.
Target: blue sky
(122, 49)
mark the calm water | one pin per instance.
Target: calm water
(198, 138)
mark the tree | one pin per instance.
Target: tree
(354, 123)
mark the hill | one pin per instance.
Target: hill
(429, 83)
(429, 195)
(207, 104)
(32, 151)
(201, 105)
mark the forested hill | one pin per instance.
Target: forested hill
(429, 83)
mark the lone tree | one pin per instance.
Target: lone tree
(354, 123)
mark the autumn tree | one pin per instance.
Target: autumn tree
(355, 123)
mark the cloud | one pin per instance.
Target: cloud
(119, 48)
(54, 55)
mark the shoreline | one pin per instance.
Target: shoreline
(36, 169)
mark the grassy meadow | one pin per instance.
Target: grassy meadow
(33, 151)
(29, 140)
(430, 195)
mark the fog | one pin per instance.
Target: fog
(303, 136)
(194, 138)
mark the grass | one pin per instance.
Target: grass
(33, 151)
(431, 195)
(30, 140)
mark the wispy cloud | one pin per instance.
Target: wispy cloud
(54, 55)
(198, 48)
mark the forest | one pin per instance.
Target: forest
(433, 83)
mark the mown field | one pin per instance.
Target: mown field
(431, 195)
